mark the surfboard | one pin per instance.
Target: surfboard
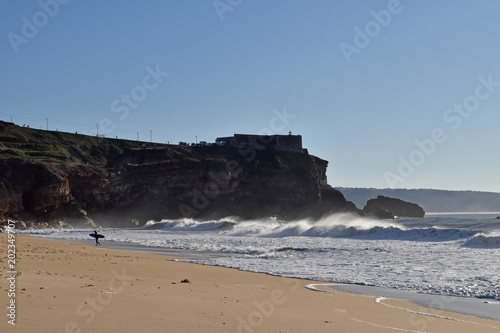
(98, 236)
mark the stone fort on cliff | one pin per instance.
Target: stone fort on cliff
(272, 142)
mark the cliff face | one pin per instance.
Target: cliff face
(54, 176)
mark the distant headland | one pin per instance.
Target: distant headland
(431, 200)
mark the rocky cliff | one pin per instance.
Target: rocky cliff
(69, 178)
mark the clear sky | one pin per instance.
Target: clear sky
(402, 94)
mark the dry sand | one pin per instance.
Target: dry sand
(73, 287)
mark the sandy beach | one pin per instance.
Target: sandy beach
(72, 287)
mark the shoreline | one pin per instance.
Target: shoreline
(475, 307)
(67, 286)
(470, 306)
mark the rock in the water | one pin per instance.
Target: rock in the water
(385, 207)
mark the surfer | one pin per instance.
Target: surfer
(96, 238)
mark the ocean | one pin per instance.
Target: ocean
(440, 254)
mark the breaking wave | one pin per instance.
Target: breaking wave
(484, 240)
(188, 225)
(334, 226)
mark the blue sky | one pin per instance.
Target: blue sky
(366, 83)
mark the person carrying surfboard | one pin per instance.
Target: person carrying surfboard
(96, 238)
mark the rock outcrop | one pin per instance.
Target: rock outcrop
(388, 208)
(57, 177)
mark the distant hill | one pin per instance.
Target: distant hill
(432, 201)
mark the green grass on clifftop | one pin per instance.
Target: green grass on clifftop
(52, 147)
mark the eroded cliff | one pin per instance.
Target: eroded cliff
(54, 176)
